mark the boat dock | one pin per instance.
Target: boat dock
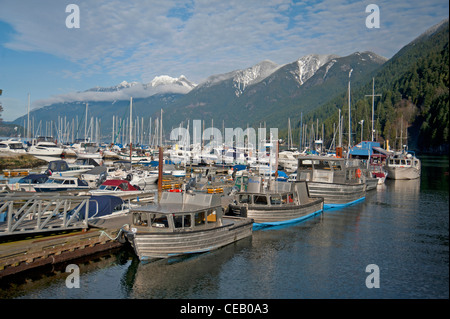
(42, 230)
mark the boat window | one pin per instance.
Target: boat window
(124, 186)
(284, 199)
(321, 165)
(275, 200)
(408, 162)
(140, 219)
(3, 146)
(58, 181)
(199, 218)
(402, 162)
(245, 199)
(336, 165)
(159, 221)
(182, 221)
(260, 199)
(211, 216)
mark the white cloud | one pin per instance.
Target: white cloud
(142, 39)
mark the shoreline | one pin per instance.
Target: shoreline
(11, 161)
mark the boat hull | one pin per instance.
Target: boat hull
(272, 215)
(148, 245)
(403, 172)
(335, 193)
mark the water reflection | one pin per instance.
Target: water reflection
(193, 276)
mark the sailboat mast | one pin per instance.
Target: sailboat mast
(131, 126)
(373, 105)
(349, 115)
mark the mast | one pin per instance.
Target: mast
(85, 123)
(349, 115)
(131, 126)
(373, 108)
(28, 117)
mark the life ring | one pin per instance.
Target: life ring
(358, 173)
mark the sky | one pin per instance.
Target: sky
(42, 55)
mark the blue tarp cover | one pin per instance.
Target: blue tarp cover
(101, 205)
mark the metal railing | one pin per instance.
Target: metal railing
(25, 213)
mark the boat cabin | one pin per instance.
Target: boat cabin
(328, 170)
(179, 212)
(404, 161)
(279, 194)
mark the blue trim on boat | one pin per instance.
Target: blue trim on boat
(331, 206)
(257, 226)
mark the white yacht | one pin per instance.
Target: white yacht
(12, 145)
(45, 148)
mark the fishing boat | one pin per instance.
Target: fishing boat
(61, 184)
(283, 203)
(12, 145)
(183, 223)
(374, 158)
(339, 181)
(403, 165)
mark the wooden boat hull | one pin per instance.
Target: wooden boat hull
(149, 245)
(337, 194)
(273, 215)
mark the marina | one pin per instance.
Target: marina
(387, 211)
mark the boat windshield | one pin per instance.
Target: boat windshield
(56, 181)
(107, 187)
(16, 146)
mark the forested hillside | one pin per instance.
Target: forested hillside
(414, 88)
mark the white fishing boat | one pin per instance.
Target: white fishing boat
(183, 223)
(403, 165)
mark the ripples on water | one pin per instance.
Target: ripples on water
(402, 227)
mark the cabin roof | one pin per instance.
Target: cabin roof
(172, 208)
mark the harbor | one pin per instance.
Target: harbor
(291, 161)
(22, 257)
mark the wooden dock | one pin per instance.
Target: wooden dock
(42, 229)
(35, 251)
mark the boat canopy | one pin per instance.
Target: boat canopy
(100, 206)
(33, 179)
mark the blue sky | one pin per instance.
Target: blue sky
(139, 40)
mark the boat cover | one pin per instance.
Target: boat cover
(101, 205)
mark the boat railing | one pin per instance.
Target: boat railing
(36, 213)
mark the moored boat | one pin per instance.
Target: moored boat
(403, 165)
(340, 182)
(283, 203)
(183, 223)
(12, 145)
(61, 184)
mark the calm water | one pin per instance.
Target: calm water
(402, 227)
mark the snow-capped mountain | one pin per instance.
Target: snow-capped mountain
(309, 64)
(243, 78)
(124, 90)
